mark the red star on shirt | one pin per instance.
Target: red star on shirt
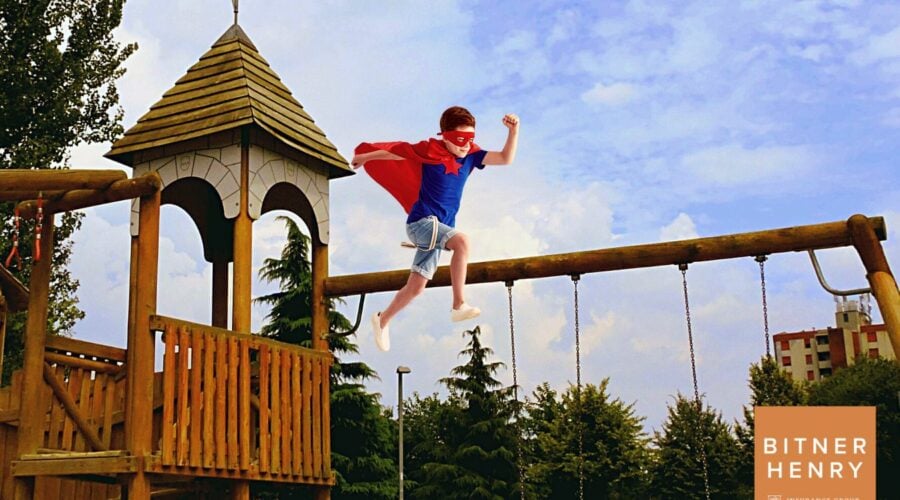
(454, 169)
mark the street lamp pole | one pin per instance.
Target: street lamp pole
(401, 370)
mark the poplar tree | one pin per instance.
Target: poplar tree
(58, 65)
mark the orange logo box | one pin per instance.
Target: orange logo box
(814, 452)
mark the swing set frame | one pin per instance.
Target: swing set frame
(863, 233)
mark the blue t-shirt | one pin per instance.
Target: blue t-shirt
(440, 192)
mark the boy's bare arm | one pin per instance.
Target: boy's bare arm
(360, 160)
(508, 154)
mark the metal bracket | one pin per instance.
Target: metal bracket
(841, 293)
(362, 300)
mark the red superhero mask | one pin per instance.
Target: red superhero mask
(458, 138)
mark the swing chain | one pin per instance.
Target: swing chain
(512, 340)
(762, 279)
(575, 278)
(687, 311)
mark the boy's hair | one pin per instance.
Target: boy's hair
(456, 116)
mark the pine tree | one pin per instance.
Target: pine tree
(362, 435)
(769, 386)
(475, 458)
(58, 67)
(614, 444)
(677, 471)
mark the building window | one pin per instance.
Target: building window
(846, 318)
(809, 359)
(873, 353)
(824, 356)
(806, 342)
(825, 372)
(822, 339)
(810, 375)
(873, 337)
(785, 345)
(785, 361)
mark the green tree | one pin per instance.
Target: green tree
(769, 386)
(677, 471)
(362, 435)
(475, 456)
(58, 67)
(870, 382)
(615, 446)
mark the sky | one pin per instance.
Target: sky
(641, 122)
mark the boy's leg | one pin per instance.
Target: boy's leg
(459, 263)
(413, 287)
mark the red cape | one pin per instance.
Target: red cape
(402, 178)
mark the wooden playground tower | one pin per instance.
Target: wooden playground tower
(227, 144)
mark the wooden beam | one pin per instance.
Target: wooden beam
(75, 463)
(790, 239)
(9, 195)
(124, 189)
(878, 272)
(49, 180)
(68, 402)
(31, 421)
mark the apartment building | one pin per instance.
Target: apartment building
(814, 354)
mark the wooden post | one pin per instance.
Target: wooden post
(320, 328)
(141, 345)
(31, 416)
(242, 268)
(220, 294)
(4, 309)
(878, 272)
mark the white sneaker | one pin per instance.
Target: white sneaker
(382, 335)
(464, 312)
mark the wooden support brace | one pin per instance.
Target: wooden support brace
(90, 435)
(878, 272)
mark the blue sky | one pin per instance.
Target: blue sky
(641, 122)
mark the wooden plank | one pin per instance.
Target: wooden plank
(286, 412)
(101, 465)
(185, 130)
(63, 455)
(296, 405)
(183, 417)
(57, 416)
(84, 408)
(307, 416)
(210, 81)
(209, 392)
(91, 349)
(254, 474)
(326, 418)
(791, 239)
(74, 383)
(196, 397)
(245, 423)
(109, 399)
(233, 462)
(214, 105)
(276, 411)
(158, 323)
(98, 389)
(49, 180)
(5, 435)
(167, 447)
(221, 400)
(191, 76)
(264, 363)
(317, 417)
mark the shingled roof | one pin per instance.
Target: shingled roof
(229, 87)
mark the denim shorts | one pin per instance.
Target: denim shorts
(427, 233)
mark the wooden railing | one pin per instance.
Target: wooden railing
(241, 403)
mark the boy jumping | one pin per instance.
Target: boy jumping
(428, 178)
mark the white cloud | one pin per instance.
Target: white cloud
(879, 47)
(615, 94)
(682, 228)
(734, 165)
